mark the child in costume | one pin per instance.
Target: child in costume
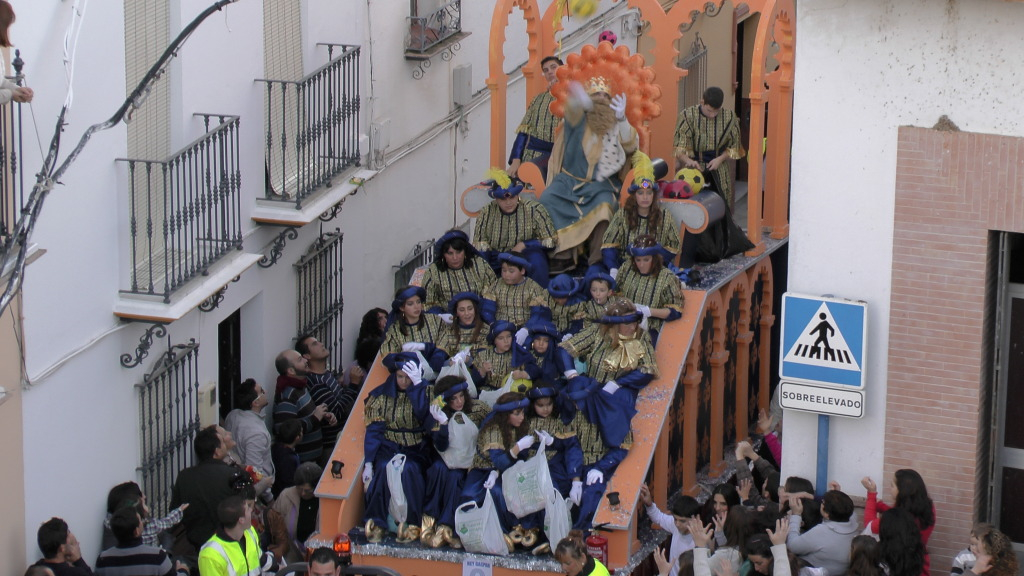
(410, 330)
(468, 331)
(456, 268)
(514, 224)
(445, 482)
(654, 290)
(513, 296)
(396, 416)
(493, 365)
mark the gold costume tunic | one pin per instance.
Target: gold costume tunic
(663, 290)
(397, 415)
(621, 237)
(442, 285)
(501, 366)
(564, 315)
(458, 338)
(514, 301)
(552, 425)
(476, 415)
(489, 439)
(499, 232)
(591, 441)
(538, 122)
(606, 362)
(703, 138)
(430, 329)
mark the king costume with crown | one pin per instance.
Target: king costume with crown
(584, 173)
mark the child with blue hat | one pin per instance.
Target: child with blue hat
(654, 289)
(456, 268)
(514, 224)
(513, 296)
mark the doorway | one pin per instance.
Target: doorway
(229, 360)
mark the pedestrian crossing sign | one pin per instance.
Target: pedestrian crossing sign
(823, 341)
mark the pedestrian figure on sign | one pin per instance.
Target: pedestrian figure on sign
(824, 330)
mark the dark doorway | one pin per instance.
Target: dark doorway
(229, 360)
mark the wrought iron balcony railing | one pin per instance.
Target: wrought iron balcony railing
(312, 127)
(428, 31)
(12, 175)
(185, 212)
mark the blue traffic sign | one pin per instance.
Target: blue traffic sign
(823, 340)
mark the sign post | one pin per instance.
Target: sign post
(821, 369)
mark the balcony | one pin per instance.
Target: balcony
(435, 31)
(184, 217)
(12, 175)
(312, 129)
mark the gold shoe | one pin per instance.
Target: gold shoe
(516, 535)
(440, 535)
(374, 533)
(411, 534)
(542, 549)
(427, 530)
(530, 537)
(511, 545)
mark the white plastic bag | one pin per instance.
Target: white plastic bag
(527, 484)
(397, 506)
(557, 518)
(479, 527)
(462, 433)
(428, 372)
(491, 396)
(458, 368)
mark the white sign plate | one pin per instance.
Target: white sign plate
(476, 567)
(822, 400)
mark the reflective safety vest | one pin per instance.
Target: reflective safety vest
(219, 557)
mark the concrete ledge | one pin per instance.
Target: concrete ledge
(278, 213)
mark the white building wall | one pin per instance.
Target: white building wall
(862, 70)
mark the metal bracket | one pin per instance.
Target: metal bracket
(447, 54)
(710, 8)
(332, 212)
(290, 233)
(145, 343)
(211, 303)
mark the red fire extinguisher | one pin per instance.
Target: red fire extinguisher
(597, 545)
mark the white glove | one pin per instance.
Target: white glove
(491, 479)
(619, 105)
(645, 310)
(570, 374)
(521, 335)
(438, 413)
(614, 273)
(367, 473)
(414, 347)
(525, 442)
(414, 372)
(576, 494)
(611, 387)
(546, 438)
(594, 476)
(566, 337)
(579, 94)
(448, 318)
(461, 356)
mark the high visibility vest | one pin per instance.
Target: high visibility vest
(220, 557)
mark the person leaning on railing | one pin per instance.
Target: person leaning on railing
(9, 90)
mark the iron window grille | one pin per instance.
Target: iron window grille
(422, 255)
(12, 176)
(429, 30)
(320, 299)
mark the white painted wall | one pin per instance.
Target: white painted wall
(862, 70)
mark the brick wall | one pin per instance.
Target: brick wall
(952, 189)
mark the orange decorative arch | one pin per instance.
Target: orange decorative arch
(497, 80)
(763, 270)
(740, 285)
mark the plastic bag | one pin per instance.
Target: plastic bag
(479, 527)
(557, 519)
(397, 506)
(527, 484)
(462, 433)
(491, 396)
(428, 372)
(458, 368)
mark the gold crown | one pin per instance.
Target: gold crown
(598, 84)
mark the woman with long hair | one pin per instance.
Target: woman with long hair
(468, 331)
(445, 480)
(996, 556)
(864, 557)
(9, 90)
(504, 439)
(410, 330)
(642, 214)
(910, 494)
(457, 267)
(899, 543)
